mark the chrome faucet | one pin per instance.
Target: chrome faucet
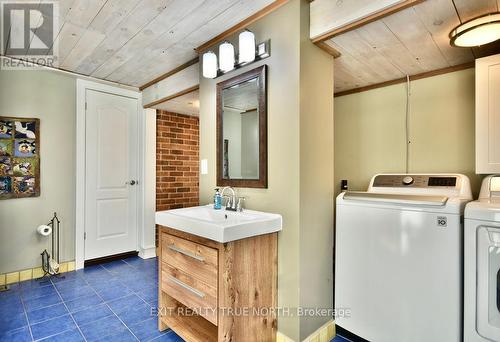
(231, 200)
(233, 203)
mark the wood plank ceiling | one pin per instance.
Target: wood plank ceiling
(133, 41)
(410, 42)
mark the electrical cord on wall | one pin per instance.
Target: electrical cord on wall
(407, 119)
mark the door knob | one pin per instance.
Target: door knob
(132, 182)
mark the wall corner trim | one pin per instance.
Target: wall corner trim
(147, 253)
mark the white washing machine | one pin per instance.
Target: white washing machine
(398, 266)
(482, 264)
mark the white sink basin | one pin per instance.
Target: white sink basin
(219, 225)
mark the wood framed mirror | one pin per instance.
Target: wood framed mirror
(242, 130)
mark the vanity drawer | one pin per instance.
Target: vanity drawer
(190, 291)
(193, 258)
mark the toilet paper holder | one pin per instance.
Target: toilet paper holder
(50, 261)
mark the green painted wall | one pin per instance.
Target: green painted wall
(300, 160)
(282, 196)
(316, 178)
(49, 96)
(370, 130)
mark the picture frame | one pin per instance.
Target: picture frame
(19, 157)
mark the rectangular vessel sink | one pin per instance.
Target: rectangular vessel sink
(220, 225)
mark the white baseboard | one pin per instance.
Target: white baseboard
(147, 253)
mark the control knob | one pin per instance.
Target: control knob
(408, 180)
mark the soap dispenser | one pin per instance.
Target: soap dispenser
(217, 199)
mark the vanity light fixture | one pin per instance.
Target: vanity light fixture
(248, 53)
(246, 44)
(478, 31)
(226, 56)
(209, 65)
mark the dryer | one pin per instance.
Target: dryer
(482, 264)
(398, 266)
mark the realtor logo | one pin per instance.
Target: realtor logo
(29, 30)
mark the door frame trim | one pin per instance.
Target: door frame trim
(143, 200)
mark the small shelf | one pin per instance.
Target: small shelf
(192, 327)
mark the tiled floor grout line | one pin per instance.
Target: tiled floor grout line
(114, 313)
(70, 314)
(133, 292)
(26, 314)
(136, 268)
(140, 292)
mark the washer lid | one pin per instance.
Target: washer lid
(483, 209)
(432, 201)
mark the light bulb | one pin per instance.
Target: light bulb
(226, 56)
(209, 65)
(246, 47)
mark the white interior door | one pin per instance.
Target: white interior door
(111, 169)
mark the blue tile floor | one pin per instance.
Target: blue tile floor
(107, 302)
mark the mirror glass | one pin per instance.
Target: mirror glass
(240, 129)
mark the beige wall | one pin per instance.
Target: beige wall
(300, 160)
(316, 178)
(282, 195)
(370, 130)
(49, 96)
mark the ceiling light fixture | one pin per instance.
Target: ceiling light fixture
(209, 65)
(226, 56)
(246, 44)
(478, 31)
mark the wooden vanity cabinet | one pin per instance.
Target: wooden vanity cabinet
(211, 291)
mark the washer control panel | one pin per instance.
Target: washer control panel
(417, 181)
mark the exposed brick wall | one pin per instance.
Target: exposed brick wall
(177, 160)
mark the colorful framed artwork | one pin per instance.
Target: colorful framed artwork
(5, 129)
(19, 157)
(6, 147)
(5, 166)
(24, 148)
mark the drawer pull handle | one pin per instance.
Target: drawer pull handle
(187, 287)
(189, 254)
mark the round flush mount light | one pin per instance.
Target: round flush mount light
(209, 65)
(246, 43)
(226, 56)
(478, 31)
